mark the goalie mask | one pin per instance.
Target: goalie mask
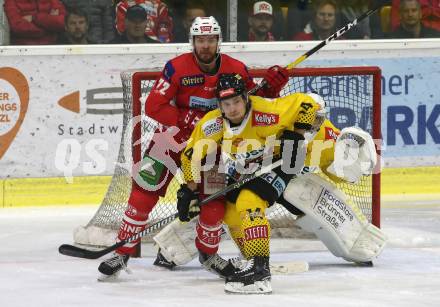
(205, 26)
(321, 115)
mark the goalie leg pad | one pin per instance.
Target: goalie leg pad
(339, 225)
(368, 245)
(176, 241)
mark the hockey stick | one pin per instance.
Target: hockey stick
(75, 251)
(327, 41)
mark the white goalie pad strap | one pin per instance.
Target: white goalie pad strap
(355, 155)
(176, 241)
(339, 225)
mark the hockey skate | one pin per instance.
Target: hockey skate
(254, 278)
(217, 265)
(161, 261)
(112, 267)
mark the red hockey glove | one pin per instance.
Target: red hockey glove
(189, 118)
(276, 77)
(186, 123)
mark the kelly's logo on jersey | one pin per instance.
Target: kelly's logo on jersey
(264, 119)
(192, 80)
(330, 134)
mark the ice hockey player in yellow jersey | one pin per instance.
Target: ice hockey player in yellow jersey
(356, 240)
(244, 128)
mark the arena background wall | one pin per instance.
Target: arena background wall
(59, 144)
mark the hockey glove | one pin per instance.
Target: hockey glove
(187, 203)
(186, 123)
(189, 118)
(276, 77)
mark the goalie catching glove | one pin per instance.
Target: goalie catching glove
(355, 155)
(187, 203)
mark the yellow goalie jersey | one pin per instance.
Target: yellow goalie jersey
(266, 118)
(321, 150)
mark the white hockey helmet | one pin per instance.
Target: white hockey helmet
(321, 114)
(205, 26)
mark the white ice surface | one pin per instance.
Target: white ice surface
(32, 273)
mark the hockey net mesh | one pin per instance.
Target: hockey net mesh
(350, 94)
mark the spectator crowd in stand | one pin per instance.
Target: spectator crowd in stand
(411, 22)
(47, 22)
(261, 22)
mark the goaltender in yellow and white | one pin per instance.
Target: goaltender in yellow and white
(352, 238)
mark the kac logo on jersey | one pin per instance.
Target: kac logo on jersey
(330, 134)
(131, 211)
(168, 71)
(192, 80)
(264, 119)
(212, 126)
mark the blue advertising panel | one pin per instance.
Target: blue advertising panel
(410, 104)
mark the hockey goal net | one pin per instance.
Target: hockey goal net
(352, 94)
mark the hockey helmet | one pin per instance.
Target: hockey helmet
(205, 26)
(230, 85)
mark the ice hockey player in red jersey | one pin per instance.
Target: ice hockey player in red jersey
(180, 97)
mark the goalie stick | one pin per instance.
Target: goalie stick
(75, 251)
(327, 41)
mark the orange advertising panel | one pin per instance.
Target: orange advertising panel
(14, 101)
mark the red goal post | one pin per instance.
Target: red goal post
(374, 72)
